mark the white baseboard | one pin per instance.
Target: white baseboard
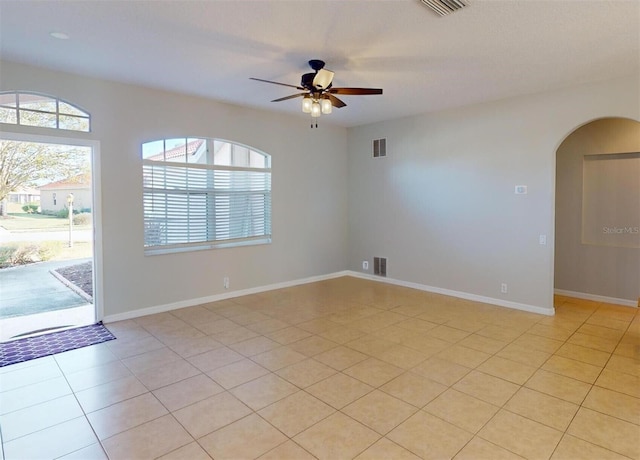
(459, 294)
(597, 298)
(216, 297)
(313, 279)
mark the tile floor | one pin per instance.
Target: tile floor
(345, 368)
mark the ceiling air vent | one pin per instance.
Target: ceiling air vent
(444, 7)
(379, 148)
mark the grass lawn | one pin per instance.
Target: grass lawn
(26, 252)
(80, 250)
(23, 222)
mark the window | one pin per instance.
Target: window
(33, 109)
(204, 193)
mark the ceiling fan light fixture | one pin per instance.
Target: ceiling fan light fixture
(307, 102)
(323, 79)
(316, 110)
(317, 92)
(326, 106)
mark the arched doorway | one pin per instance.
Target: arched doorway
(597, 212)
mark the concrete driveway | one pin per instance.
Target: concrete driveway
(32, 289)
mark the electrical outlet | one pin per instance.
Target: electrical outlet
(365, 265)
(225, 282)
(503, 288)
(543, 240)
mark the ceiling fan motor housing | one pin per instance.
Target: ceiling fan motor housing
(307, 81)
(316, 64)
(318, 81)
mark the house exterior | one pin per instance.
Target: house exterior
(24, 195)
(53, 196)
(191, 152)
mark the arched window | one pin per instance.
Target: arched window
(204, 193)
(33, 109)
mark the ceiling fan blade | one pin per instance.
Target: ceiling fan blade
(276, 83)
(355, 91)
(337, 103)
(289, 97)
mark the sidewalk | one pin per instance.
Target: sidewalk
(62, 235)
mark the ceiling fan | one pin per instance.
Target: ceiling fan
(318, 91)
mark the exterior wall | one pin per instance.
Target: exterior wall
(23, 198)
(52, 201)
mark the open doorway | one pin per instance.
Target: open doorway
(597, 222)
(46, 237)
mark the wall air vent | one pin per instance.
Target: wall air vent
(380, 266)
(444, 7)
(379, 148)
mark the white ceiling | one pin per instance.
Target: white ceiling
(490, 50)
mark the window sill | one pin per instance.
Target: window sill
(160, 250)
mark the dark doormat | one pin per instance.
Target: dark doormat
(30, 348)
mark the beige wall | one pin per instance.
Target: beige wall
(441, 206)
(308, 191)
(598, 269)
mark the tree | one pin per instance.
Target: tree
(29, 164)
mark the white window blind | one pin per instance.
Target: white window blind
(205, 205)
